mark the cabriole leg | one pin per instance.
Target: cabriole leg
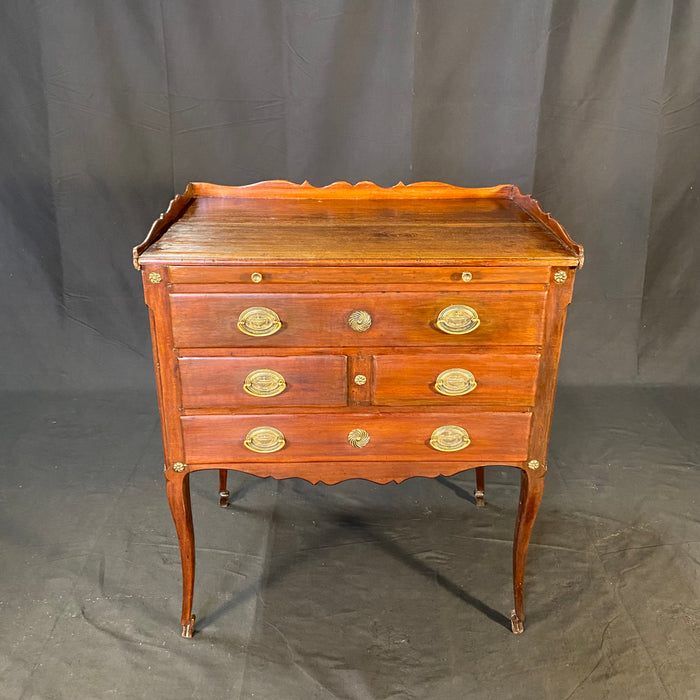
(224, 495)
(480, 485)
(178, 490)
(531, 488)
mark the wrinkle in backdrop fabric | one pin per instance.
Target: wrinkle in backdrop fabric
(110, 108)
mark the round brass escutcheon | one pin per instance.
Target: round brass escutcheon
(458, 319)
(360, 379)
(466, 276)
(259, 321)
(455, 382)
(358, 437)
(449, 438)
(264, 383)
(360, 321)
(264, 439)
(256, 277)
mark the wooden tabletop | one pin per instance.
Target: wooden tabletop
(425, 223)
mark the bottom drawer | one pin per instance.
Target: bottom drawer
(488, 436)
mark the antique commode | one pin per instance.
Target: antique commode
(355, 332)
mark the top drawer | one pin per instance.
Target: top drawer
(264, 275)
(357, 320)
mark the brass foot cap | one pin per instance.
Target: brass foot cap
(188, 629)
(516, 623)
(223, 498)
(479, 496)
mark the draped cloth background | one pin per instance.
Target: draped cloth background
(110, 108)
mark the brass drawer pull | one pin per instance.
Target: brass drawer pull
(264, 382)
(259, 321)
(458, 319)
(449, 438)
(264, 439)
(358, 437)
(360, 321)
(455, 382)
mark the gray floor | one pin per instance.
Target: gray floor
(354, 591)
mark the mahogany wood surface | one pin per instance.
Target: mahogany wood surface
(311, 380)
(449, 276)
(314, 255)
(309, 438)
(398, 318)
(407, 379)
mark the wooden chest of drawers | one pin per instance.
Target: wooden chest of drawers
(355, 332)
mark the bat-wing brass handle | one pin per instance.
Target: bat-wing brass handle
(259, 321)
(455, 382)
(449, 438)
(264, 383)
(264, 439)
(457, 319)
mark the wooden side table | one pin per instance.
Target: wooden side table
(355, 332)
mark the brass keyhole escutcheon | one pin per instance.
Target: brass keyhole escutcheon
(358, 437)
(360, 321)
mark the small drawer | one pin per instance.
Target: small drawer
(263, 382)
(460, 379)
(357, 320)
(453, 436)
(264, 275)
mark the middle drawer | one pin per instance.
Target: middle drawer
(381, 379)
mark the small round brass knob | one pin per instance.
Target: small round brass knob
(358, 437)
(360, 379)
(360, 321)
(264, 439)
(256, 277)
(466, 276)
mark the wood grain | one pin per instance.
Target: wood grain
(214, 382)
(322, 437)
(209, 320)
(409, 380)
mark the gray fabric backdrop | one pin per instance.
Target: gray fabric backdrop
(110, 107)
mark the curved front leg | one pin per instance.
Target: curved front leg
(178, 490)
(531, 488)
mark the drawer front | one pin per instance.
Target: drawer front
(221, 439)
(263, 382)
(462, 380)
(263, 275)
(397, 319)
